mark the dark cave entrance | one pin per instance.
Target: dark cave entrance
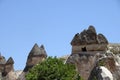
(84, 49)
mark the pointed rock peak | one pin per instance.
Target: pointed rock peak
(76, 39)
(42, 50)
(34, 50)
(2, 59)
(76, 36)
(37, 51)
(102, 39)
(35, 45)
(92, 28)
(10, 61)
(42, 46)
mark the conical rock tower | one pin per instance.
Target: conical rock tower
(36, 55)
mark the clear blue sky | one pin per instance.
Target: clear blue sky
(53, 23)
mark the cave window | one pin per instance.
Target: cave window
(84, 49)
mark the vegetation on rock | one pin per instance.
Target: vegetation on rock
(53, 69)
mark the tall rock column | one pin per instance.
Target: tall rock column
(86, 47)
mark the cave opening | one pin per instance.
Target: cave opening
(84, 49)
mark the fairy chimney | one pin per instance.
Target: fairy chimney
(6, 66)
(86, 47)
(9, 65)
(36, 55)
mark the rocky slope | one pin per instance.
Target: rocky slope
(114, 47)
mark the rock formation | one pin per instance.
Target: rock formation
(6, 66)
(87, 47)
(93, 57)
(88, 40)
(114, 47)
(36, 55)
(84, 63)
(91, 54)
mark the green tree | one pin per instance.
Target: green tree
(53, 69)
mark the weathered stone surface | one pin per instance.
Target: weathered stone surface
(105, 73)
(76, 40)
(87, 37)
(22, 76)
(101, 39)
(11, 76)
(36, 55)
(2, 59)
(88, 40)
(6, 66)
(85, 49)
(89, 48)
(92, 28)
(84, 63)
(101, 73)
(111, 63)
(114, 47)
(37, 51)
(10, 61)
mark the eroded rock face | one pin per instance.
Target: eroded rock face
(90, 40)
(101, 39)
(105, 73)
(101, 73)
(110, 68)
(114, 47)
(84, 63)
(87, 37)
(6, 66)
(112, 64)
(36, 55)
(87, 47)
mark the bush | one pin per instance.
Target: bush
(53, 69)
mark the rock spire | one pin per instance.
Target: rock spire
(35, 56)
(10, 61)
(37, 51)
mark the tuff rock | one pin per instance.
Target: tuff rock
(92, 58)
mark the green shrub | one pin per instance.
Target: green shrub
(52, 69)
